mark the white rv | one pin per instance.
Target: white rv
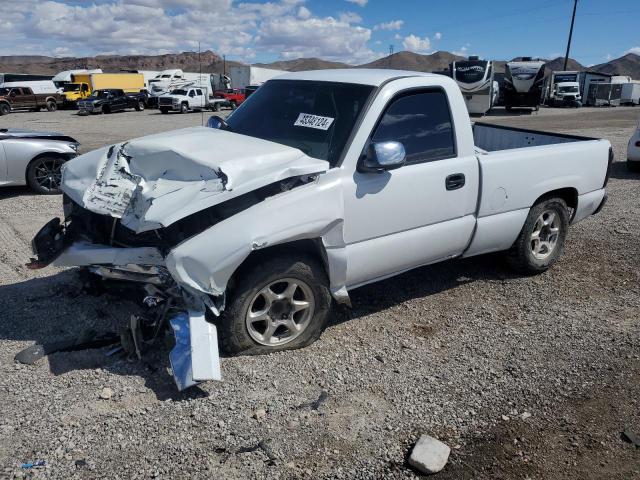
(244, 76)
(475, 79)
(36, 86)
(523, 81)
(169, 80)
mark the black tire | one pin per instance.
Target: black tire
(106, 110)
(234, 336)
(52, 106)
(184, 108)
(521, 256)
(164, 110)
(216, 107)
(233, 104)
(5, 108)
(38, 178)
(633, 166)
(140, 106)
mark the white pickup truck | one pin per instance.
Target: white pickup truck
(320, 183)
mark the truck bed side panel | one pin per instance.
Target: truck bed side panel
(515, 179)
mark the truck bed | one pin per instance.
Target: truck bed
(493, 138)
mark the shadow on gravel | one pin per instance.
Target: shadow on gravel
(11, 192)
(60, 308)
(516, 112)
(619, 170)
(423, 282)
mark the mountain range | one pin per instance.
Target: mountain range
(210, 62)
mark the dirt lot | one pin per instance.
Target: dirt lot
(524, 377)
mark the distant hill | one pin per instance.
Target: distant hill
(557, 65)
(187, 61)
(628, 64)
(302, 64)
(414, 61)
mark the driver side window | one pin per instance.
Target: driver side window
(422, 123)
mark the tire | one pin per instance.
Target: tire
(216, 107)
(106, 110)
(241, 336)
(140, 106)
(52, 106)
(184, 108)
(44, 174)
(633, 166)
(233, 104)
(5, 108)
(522, 256)
(164, 110)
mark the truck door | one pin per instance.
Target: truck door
(119, 101)
(28, 98)
(421, 212)
(193, 101)
(200, 97)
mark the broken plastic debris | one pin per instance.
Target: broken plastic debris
(36, 463)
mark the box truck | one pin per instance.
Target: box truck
(246, 75)
(83, 84)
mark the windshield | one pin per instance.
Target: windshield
(99, 94)
(315, 117)
(179, 91)
(573, 89)
(71, 87)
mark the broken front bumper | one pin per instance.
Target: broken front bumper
(195, 357)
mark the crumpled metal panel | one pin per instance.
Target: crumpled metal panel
(154, 181)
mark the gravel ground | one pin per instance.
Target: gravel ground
(524, 377)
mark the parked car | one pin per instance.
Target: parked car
(234, 96)
(633, 151)
(34, 158)
(111, 100)
(325, 181)
(16, 98)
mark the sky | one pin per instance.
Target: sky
(352, 31)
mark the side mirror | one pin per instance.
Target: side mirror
(217, 122)
(383, 156)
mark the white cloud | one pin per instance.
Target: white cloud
(416, 44)
(635, 50)
(437, 36)
(392, 25)
(304, 13)
(362, 3)
(463, 52)
(241, 29)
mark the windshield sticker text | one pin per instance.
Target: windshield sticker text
(313, 121)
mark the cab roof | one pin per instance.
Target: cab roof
(361, 76)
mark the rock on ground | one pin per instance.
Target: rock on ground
(429, 455)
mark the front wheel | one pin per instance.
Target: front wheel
(140, 106)
(44, 175)
(184, 108)
(5, 109)
(542, 237)
(282, 303)
(216, 107)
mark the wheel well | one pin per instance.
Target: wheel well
(569, 195)
(49, 99)
(42, 155)
(312, 247)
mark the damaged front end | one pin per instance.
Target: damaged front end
(127, 207)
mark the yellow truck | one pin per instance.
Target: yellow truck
(83, 84)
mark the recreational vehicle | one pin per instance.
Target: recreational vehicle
(475, 79)
(523, 83)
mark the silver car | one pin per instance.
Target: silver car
(34, 158)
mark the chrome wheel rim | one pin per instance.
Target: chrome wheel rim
(280, 312)
(544, 237)
(48, 173)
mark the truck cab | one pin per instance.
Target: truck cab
(74, 91)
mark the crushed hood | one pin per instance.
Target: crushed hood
(154, 181)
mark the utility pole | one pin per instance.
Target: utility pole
(390, 54)
(573, 18)
(224, 64)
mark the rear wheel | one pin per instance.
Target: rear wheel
(52, 106)
(5, 109)
(542, 237)
(216, 107)
(633, 166)
(44, 174)
(280, 304)
(164, 110)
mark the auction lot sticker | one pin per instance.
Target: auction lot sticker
(313, 121)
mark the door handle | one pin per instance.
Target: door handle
(454, 181)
